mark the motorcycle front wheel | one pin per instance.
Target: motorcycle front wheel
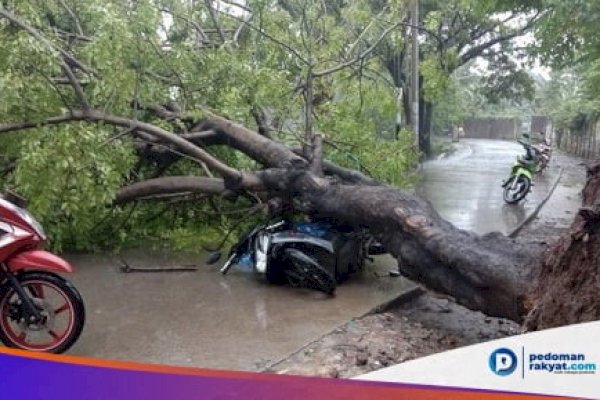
(302, 270)
(513, 193)
(59, 303)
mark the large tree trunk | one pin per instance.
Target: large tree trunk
(406, 109)
(425, 114)
(487, 273)
(568, 282)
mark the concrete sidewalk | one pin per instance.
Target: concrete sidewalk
(558, 212)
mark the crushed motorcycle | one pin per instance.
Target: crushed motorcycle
(314, 255)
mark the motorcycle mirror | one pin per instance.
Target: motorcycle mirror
(213, 257)
(14, 198)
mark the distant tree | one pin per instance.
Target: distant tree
(453, 34)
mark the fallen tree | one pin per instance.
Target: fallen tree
(494, 274)
(488, 273)
(491, 273)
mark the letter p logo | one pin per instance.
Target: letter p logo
(503, 362)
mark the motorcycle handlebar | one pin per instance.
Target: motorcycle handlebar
(227, 264)
(275, 225)
(524, 144)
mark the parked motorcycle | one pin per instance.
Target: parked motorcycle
(519, 183)
(316, 255)
(543, 153)
(39, 310)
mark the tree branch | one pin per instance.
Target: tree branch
(476, 51)
(76, 86)
(194, 24)
(235, 4)
(347, 175)
(267, 152)
(233, 175)
(65, 58)
(199, 137)
(268, 36)
(215, 20)
(172, 185)
(19, 126)
(358, 58)
(263, 121)
(72, 14)
(35, 33)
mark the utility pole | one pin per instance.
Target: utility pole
(415, 70)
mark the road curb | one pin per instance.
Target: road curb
(403, 297)
(534, 213)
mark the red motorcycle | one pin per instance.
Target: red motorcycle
(39, 310)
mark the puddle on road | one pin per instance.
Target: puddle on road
(205, 319)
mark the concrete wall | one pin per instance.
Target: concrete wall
(492, 128)
(506, 128)
(541, 124)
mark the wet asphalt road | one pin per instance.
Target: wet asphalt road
(204, 319)
(465, 188)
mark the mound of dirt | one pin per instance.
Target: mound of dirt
(567, 287)
(426, 325)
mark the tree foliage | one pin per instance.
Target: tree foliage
(457, 33)
(248, 65)
(292, 70)
(567, 40)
